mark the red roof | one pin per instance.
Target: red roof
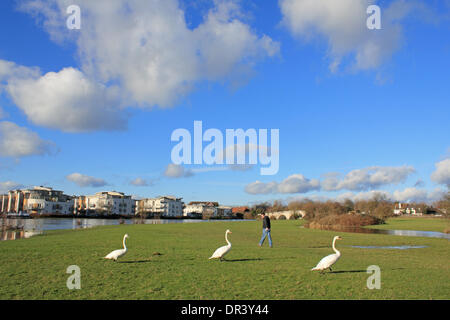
(240, 209)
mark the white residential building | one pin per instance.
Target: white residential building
(206, 209)
(165, 206)
(3, 203)
(106, 203)
(403, 208)
(223, 212)
(195, 209)
(39, 200)
(398, 209)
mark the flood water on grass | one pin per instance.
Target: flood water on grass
(17, 228)
(390, 247)
(410, 233)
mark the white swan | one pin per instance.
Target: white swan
(329, 260)
(222, 251)
(114, 255)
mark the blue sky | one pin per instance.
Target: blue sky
(381, 120)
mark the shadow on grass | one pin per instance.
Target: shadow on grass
(242, 260)
(136, 261)
(347, 271)
(352, 271)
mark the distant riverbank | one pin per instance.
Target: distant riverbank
(17, 228)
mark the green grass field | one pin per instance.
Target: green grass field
(415, 223)
(35, 268)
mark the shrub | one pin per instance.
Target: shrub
(343, 220)
(248, 215)
(239, 215)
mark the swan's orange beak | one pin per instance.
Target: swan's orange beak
(340, 238)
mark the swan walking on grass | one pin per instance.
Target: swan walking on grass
(329, 260)
(222, 251)
(114, 255)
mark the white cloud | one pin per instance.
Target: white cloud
(9, 185)
(295, 183)
(177, 171)
(356, 180)
(147, 48)
(343, 24)
(86, 181)
(16, 141)
(259, 187)
(405, 195)
(311, 197)
(436, 194)
(139, 182)
(368, 195)
(410, 194)
(367, 178)
(442, 173)
(9, 69)
(68, 101)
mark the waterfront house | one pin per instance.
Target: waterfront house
(106, 203)
(207, 209)
(39, 201)
(163, 206)
(224, 212)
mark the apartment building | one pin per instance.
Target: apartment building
(39, 200)
(224, 212)
(207, 209)
(3, 203)
(105, 203)
(194, 210)
(164, 206)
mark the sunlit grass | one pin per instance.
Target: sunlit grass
(415, 223)
(35, 268)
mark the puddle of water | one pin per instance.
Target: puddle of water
(409, 233)
(390, 247)
(415, 233)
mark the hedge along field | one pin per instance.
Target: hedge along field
(35, 268)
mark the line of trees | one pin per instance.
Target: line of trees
(379, 206)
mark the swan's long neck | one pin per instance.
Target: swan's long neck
(124, 246)
(334, 248)
(226, 238)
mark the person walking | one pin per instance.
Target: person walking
(266, 230)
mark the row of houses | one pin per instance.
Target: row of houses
(46, 201)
